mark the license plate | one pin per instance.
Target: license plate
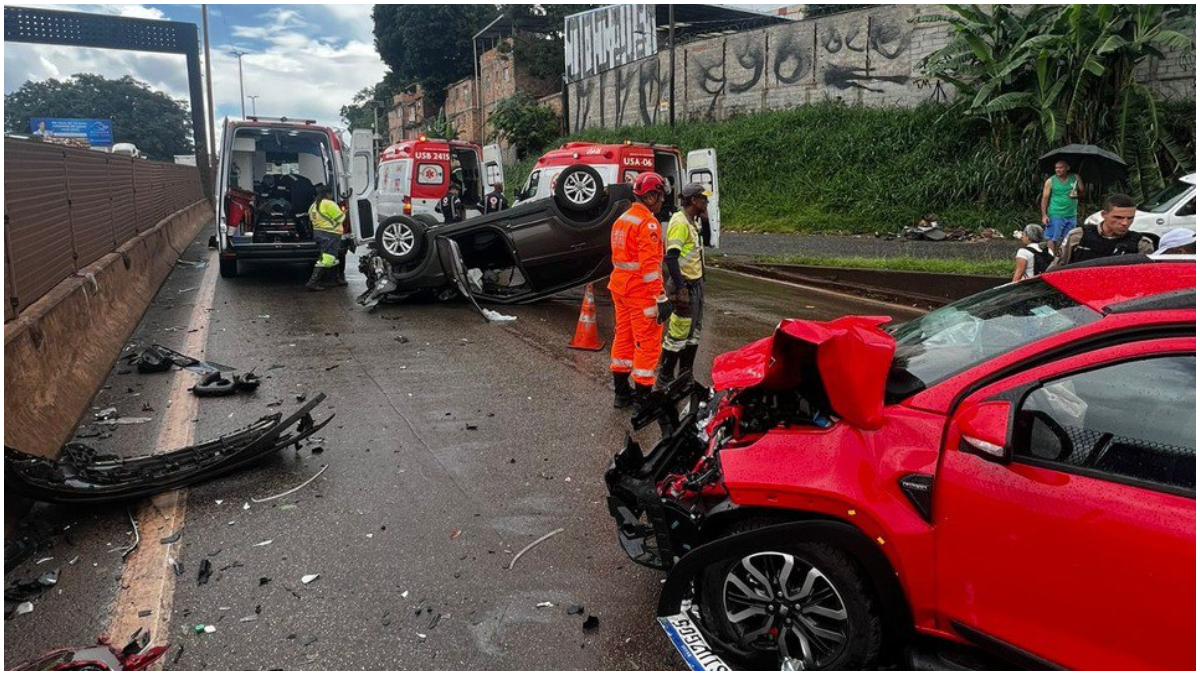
(691, 645)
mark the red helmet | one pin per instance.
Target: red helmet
(648, 182)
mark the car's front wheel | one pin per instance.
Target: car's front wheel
(400, 240)
(795, 607)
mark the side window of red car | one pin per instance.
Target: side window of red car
(1132, 422)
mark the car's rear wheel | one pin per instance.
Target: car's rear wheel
(801, 606)
(578, 188)
(400, 240)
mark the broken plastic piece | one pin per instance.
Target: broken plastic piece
(173, 538)
(284, 494)
(24, 608)
(100, 656)
(535, 543)
(204, 573)
(309, 578)
(84, 476)
(591, 624)
(574, 609)
(492, 315)
(214, 384)
(264, 543)
(545, 605)
(137, 535)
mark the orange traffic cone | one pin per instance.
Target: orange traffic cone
(586, 336)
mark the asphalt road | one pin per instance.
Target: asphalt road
(455, 444)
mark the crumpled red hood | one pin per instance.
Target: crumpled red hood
(852, 354)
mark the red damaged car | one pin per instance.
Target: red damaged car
(1012, 475)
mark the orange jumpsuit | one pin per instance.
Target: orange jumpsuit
(636, 284)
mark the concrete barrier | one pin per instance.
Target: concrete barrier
(60, 350)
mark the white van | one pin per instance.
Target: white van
(267, 176)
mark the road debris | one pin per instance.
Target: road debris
(176, 566)
(263, 581)
(309, 578)
(204, 628)
(574, 609)
(137, 535)
(24, 608)
(172, 538)
(497, 316)
(284, 494)
(591, 624)
(456, 534)
(436, 619)
(82, 475)
(204, 573)
(545, 605)
(535, 543)
(264, 543)
(100, 656)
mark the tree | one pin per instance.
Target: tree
(526, 125)
(440, 126)
(428, 44)
(360, 114)
(157, 124)
(1066, 73)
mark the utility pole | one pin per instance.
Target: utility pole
(253, 107)
(212, 134)
(671, 44)
(241, 84)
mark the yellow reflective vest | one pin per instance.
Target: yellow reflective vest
(684, 237)
(326, 216)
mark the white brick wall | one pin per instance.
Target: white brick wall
(868, 57)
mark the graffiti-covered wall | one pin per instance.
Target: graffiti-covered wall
(868, 57)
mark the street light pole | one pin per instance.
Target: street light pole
(253, 104)
(671, 42)
(241, 83)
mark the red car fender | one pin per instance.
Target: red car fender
(853, 476)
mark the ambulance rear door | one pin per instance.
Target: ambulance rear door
(702, 169)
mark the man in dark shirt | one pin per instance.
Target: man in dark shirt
(451, 206)
(495, 201)
(1109, 238)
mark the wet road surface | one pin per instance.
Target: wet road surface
(455, 444)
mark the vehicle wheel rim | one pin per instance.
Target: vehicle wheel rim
(579, 187)
(778, 602)
(398, 239)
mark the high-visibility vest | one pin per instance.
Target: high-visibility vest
(637, 254)
(684, 237)
(326, 216)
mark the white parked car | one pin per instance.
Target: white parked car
(1172, 207)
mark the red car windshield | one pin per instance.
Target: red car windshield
(973, 330)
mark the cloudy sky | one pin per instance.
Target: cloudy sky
(302, 61)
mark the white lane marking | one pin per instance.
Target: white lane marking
(148, 580)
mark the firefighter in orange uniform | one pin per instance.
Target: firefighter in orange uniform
(637, 291)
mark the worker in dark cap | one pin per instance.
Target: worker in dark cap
(685, 284)
(451, 206)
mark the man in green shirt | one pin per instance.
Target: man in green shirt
(1060, 203)
(326, 218)
(685, 283)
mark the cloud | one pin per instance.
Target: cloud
(304, 61)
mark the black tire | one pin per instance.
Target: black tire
(840, 588)
(427, 219)
(400, 240)
(229, 267)
(578, 189)
(214, 384)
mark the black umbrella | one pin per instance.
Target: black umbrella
(1093, 165)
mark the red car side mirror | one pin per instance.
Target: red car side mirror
(983, 428)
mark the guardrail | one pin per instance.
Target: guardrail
(65, 208)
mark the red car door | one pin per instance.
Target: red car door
(1065, 513)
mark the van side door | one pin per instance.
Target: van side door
(702, 169)
(1064, 512)
(362, 203)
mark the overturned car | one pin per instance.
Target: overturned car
(551, 241)
(975, 475)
